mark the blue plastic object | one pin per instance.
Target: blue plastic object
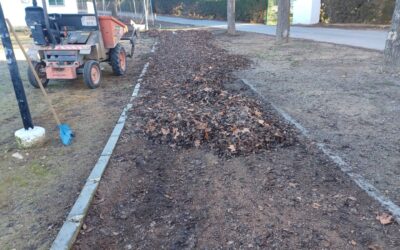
(66, 134)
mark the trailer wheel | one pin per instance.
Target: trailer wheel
(92, 74)
(40, 68)
(118, 60)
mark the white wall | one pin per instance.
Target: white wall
(14, 10)
(306, 11)
(69, 7)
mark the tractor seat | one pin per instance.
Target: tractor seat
(35, 19)
(34, 16)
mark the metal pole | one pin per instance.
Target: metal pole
(134, 6)
(14, 73)
(96, 14)
(146, 14)
(47, 22)
(152, 12)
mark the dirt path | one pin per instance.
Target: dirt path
(341, 95)
(160, 193)
(36, 192)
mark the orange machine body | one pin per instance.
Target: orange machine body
(112, 30)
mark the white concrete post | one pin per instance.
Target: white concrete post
(306, 11)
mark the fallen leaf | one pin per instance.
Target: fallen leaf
(197, 143)
(246, 130)
(232, 148)
(261, 122)
(257, 113)
(168, 197)
(235, 131)
(201, 125)
(385, 219)
(206, 135)
(374, 247)
(316, 205)
(352, 198)
(353, 242)
(176, 133)
(164, 131)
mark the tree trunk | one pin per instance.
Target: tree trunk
(283, 26)
(146, 14)
(231, 17)
(392, 49)
(114, 8)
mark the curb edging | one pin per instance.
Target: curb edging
(73, 223)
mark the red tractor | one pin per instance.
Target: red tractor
(72, 44)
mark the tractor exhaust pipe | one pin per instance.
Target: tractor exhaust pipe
(47, 22)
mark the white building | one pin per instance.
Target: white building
(306, 11)
(14, 10)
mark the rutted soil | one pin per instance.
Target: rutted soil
(159, 194)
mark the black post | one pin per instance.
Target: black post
(14, 72)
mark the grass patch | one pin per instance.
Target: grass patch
(15, 181)
(39, 170)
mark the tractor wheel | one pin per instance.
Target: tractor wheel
(92, 74)
(118, 60)
(40, 68)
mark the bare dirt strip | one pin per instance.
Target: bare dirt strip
(203, 164)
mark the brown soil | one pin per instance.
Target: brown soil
(37, 192)
(154, 196)
(343, 96)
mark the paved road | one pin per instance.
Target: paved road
(370, 39)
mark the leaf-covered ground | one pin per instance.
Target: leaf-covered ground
(186, 102)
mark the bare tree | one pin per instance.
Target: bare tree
(231, 12)
(283, 26)
(392, 49)
(114, 8)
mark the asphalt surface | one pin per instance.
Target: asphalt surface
(365, 38)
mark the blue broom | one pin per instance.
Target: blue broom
(66, 134)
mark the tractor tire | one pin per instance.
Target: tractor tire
(40, 68)
(92, 74)
(118, 60)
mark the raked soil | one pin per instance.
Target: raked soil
(158, 193)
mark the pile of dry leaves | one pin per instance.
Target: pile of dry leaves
(184, 102)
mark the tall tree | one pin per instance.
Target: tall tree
(283, 26)
(231, 13)
(392, 49)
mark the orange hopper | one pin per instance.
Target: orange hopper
(112, 30)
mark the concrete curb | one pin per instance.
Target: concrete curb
(70, 229)
(343, 166)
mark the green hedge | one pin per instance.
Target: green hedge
(332, 11)
(246, 10)
(357, 11)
